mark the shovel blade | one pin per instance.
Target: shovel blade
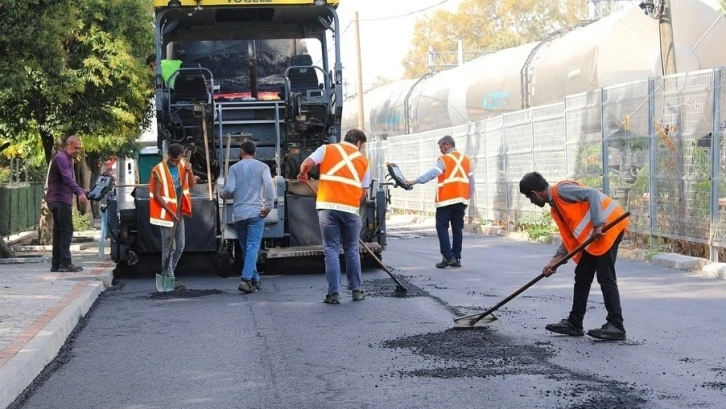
(160, 282)
(165, 283)
(471, 323)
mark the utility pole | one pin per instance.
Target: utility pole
(667, 48)
(359, 63)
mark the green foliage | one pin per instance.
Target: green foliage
(4, 175)
(81, 222)
(489, 25)
(536, 225)
(74, 67)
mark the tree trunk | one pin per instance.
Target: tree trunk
(47, 140)
(45, 225)
(83, 179)
(5, 251)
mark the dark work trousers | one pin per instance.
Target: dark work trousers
(604, 265)
(62, 233)
(450, 215)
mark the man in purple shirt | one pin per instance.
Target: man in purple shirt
(61, 188)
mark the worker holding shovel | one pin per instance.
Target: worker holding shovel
(169, 191)
(581, 212)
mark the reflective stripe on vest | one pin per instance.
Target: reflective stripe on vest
(345, 161)
(341, 172)
(453, 183)
(575, 222)
(157, 214)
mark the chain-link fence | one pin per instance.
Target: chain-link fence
(654, 146)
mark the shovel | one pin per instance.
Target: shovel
(487, 318)
(400, 289)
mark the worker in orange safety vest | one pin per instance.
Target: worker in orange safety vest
(171, 180)
(455, 188)
(344, 181)
(581, 212)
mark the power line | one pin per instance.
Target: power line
(406, 14)
(340, 38)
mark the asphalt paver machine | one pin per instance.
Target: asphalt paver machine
(230, 70)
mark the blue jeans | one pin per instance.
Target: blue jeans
(454, 215)
(249, 234)
(177, 246)
(339, 228)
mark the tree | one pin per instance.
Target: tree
(722, 5)
(489, 25)
(75, 67)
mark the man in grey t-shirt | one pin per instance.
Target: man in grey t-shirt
(246, 182)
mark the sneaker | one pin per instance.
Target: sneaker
(246, 286)
(359, 295)
(456, 263)
(446, 262)
(257, 284)
(608, 332)
(70, 268)
(332, 299)
(564, 327)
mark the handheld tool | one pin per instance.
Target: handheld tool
(400, 289)
(487, 318)
(395, 174)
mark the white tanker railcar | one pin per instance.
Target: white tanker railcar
(620, 48)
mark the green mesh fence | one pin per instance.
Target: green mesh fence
(19, 207)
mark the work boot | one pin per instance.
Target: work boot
(246, 286)
(456, 263)
(69, 268)
(257, 284)
(53, 269)
(608, 332)
(179, 286)
(446, 262)
(332, 299)
(565, 327)
(359, 295)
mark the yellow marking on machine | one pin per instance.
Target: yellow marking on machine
(210, 3)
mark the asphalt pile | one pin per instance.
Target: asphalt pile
(482, 353)
(182, 294)
(386, 287)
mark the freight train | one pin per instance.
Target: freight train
(623, 47)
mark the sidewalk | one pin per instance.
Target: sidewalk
(39, 309)
(411, 226)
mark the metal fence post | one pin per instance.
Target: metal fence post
(715, 162)
(652, 150)
(567, 140)
(605, 144)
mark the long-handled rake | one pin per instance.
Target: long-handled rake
(487, 318)
(400, 289)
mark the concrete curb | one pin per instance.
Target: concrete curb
(37, 346)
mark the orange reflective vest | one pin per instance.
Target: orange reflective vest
(341, 173)
(157, 214)
(575, 225)
(453, 184)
